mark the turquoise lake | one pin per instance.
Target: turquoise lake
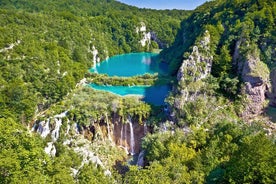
(133, 64)
(127, 65)
(151, 94)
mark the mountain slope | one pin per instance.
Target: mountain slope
(233, 41)
(46, 47)
(211, 131)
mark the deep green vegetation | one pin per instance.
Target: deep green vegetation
(53, 41)
(147, 79)
(227, 153)
(88, 105)
(45, 50)
(227, 21)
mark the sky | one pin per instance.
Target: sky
(165, 4)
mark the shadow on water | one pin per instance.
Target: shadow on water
(134, 64)
(157, 93)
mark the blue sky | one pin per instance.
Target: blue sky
(165, 4)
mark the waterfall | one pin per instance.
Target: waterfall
(108, 129)
(125, 132)
(122, 133)
(140, 161)
(76, 128)
(44, 128)
(108, 132)
(50, 149)
(68, 127)
(132, 142)
(55, 132)
(145, 129)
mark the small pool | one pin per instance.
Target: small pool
(150, 94)
(128, 65)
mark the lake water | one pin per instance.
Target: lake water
(151, 94)
(127, 65)
(133, 64)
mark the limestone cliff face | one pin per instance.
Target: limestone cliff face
(192, 71)
(255, 75)
(146, 36)
(126, 134)
(273, 88)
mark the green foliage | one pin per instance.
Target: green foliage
(91, 174)
(143, 80)
(254, 162)
(229, 87)
(45, 49)
(89, 106)
(227, 22)
(46, 46)
(23, 160)
(225, 153)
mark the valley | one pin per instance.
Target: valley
(101, 92)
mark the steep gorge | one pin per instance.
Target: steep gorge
(236, 50)
(213, 129)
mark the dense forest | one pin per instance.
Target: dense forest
(46, 46)
(218, 124)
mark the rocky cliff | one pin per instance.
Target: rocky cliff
(273, 88)
(193, 69)
(236, 50)
(126, 135)
(255, 75)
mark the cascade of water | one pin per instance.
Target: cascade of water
(50, 149)
(76, 128)
(61, 115)
(145, 129)
(108, 129)
(44, 128)
(122, 133)
(68, 127)
(125, 132)
(132, 142)
(55, 132)
(140, 161)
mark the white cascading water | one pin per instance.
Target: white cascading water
(132, 142)
(68, 127)
(145, 129)
(125, 133)
(122, 134)
(108, 132)
(50, 149)
(44, 128)
(55, 132)
(76, 128)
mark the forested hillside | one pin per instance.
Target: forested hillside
(218, 124)
(46, 47)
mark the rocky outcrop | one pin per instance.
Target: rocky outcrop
(126, 134)
(95, 54)
(155, 38)
(10, 47)
(87, 141)
(255, 75)
(146, 36)
(123, 136)
(272, 95)
(192, 71)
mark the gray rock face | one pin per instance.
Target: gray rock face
(199, 64)
(255, 75)
(273, 88)
(192, 71)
